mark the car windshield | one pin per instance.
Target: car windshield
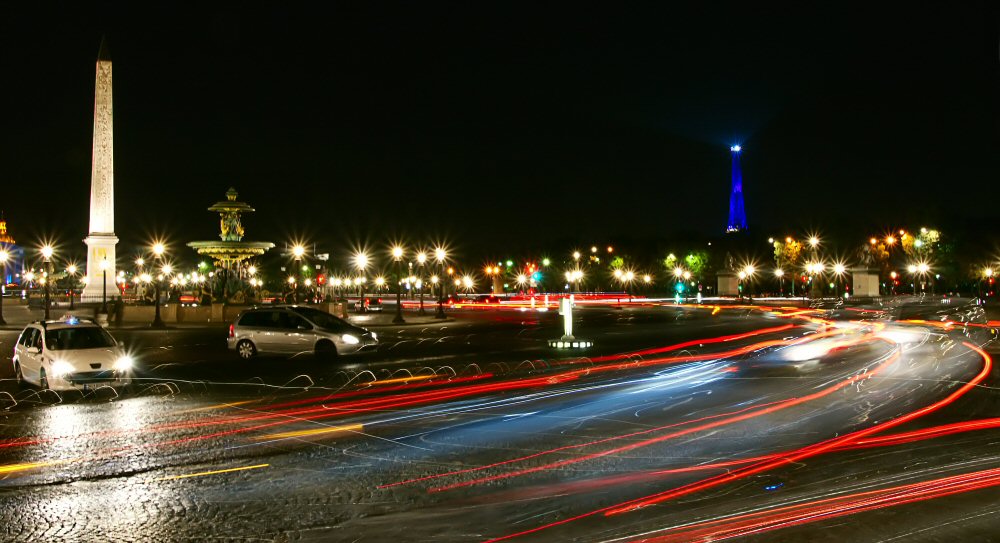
(78, 338)
(323, 319)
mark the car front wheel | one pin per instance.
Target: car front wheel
(246, 349)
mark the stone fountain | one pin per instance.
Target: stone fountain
(231, 249)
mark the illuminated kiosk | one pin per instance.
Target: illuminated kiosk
(231, 250)
(568, 341)
(728, 283)
(865, 282)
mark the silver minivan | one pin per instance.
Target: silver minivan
(293, 330)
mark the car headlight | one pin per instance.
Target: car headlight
(123, 364)
(350, 340)
(374, 335)
(61, 368)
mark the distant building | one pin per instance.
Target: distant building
(737, 214)
(15, 256)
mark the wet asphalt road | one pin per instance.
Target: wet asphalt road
(473, 429)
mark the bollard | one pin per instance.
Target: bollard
(568, 340)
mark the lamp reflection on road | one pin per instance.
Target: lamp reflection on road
(64, 426)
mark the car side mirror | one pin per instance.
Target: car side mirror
(34, 350)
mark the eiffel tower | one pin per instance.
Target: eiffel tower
(737, 215)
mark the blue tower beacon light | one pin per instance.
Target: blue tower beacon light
(737, 214)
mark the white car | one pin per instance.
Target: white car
(70, 354)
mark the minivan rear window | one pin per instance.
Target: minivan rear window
(259, 318)
(323, 319)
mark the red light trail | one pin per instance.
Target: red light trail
(830, 508)
(770, 462)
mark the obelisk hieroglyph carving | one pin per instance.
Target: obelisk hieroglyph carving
(102, 240)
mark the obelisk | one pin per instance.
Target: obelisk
(101, 271)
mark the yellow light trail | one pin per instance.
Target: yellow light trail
(218, 406)
(403, 380)
(314, 432)
(14, 468)
(215, 472)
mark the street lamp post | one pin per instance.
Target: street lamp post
(440, 255)
(421, 260)
(158, 250)
(138, 274)
(298, 252)
(397, 256)
(987, 274)
(923, 268)
(748, 272)
(47, 254)
(104, 285)
(71, 271)
(522, 282)
(780, 274)
(4, 256)
(361, 263)
(838, 272)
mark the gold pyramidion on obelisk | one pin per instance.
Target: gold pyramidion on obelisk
(101, 271)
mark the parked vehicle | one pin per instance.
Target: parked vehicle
(369, 305)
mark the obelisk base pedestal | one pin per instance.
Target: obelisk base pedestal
(99, 248)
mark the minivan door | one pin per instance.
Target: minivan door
(299, 335)
(266, 329)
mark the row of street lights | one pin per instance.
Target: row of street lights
(813, 269)
(362, 261)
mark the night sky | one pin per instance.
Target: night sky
(504, 125)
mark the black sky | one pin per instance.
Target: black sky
(504, 124)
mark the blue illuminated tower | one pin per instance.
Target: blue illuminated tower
(737, 215)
